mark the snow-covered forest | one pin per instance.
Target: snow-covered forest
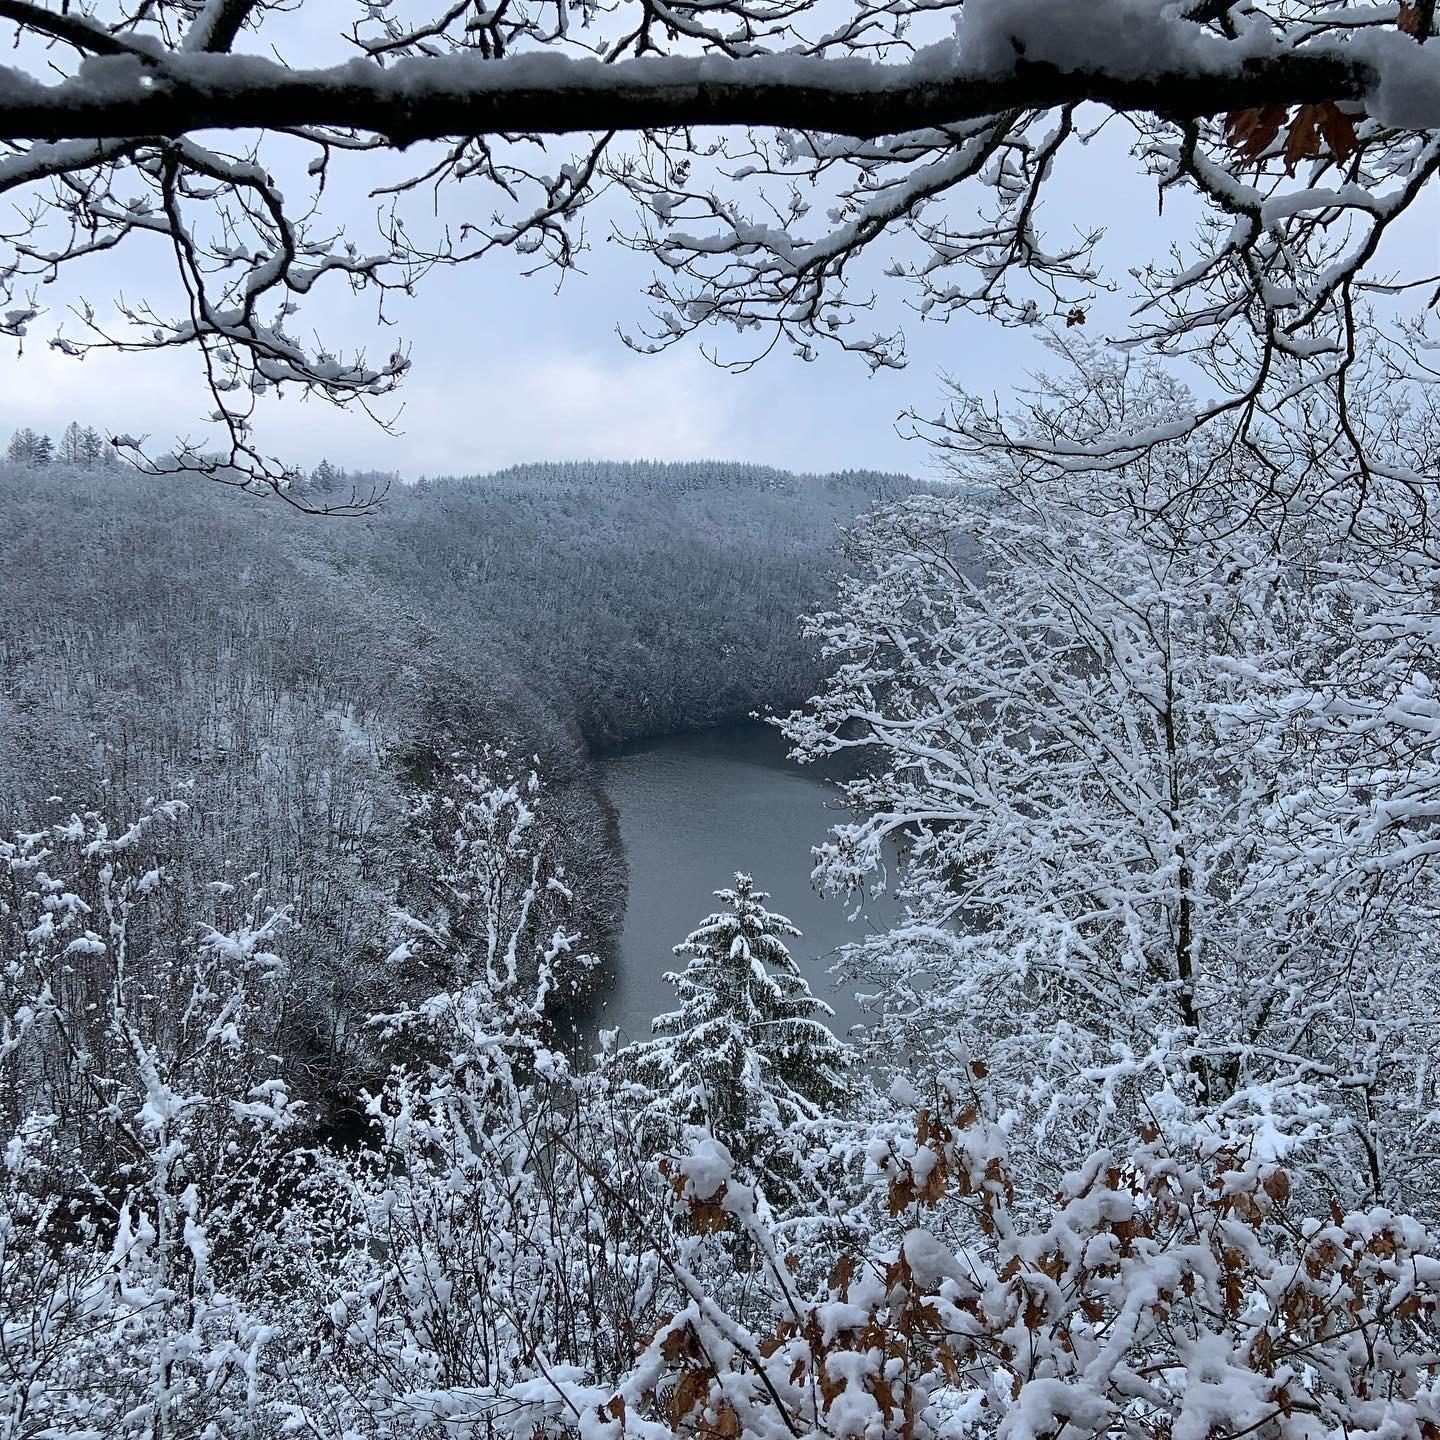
(307, 880)
(302, 683)
(309, 870)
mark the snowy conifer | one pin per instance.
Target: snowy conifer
(748, 1052)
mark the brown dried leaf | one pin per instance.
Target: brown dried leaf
(727, 1423)
(933, 1190)
(1303, 141)
(1252, 131)
(902, 1193)
(1277, 1186)
(880, 1389)
(1339, 131)
(708, 1216)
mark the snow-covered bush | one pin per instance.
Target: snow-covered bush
(146, 1157)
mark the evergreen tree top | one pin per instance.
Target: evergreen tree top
(745, 927)
(740, 970)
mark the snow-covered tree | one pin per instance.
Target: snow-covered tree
(1164, 775)
(326, 479)
(495, 1217)
(1304, 133)
(483, 899)
(147, 1141)
(95, 452)
(746, 1053)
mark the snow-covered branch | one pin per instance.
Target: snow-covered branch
(557, 94)
(766, 148)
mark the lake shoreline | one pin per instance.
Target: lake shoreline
(694, 807)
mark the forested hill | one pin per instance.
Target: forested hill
(297, 678)
(634, 599)
(161, 626)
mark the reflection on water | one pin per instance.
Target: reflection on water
(694, 809)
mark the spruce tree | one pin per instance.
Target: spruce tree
(747, 1053)
(94, 452)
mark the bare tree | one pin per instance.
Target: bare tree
(764, 146)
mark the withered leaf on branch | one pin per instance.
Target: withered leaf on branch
(1338, 128)
(1303, 140)
(691, 1390)
(1251, 133)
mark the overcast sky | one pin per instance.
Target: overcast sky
(506, 369)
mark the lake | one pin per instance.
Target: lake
(693, 810)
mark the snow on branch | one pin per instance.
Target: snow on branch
(557, 94)
(765, 147)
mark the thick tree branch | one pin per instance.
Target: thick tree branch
(218, 25)
(1304, 136)
(84, 34)
(548, 94)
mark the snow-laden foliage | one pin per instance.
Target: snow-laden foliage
(147, 1154)
(1163, 774)
(507, 1252)
(1159, 1293)
(480, 1214)
(747, 1053)
(1162, 1291)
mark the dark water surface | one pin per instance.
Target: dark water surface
(694, 809)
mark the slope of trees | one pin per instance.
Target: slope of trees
(309, 687)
